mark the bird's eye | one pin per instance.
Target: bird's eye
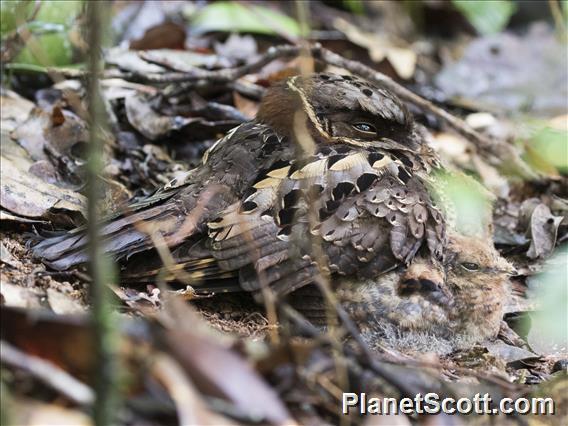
(365, 127)
(470, 266)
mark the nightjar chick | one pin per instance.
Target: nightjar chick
(434, 307)
(252, 212)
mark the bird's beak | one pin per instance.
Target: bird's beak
(504, 267)
(508, 269)
(512, 271)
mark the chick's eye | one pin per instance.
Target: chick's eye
(470, 266)
(365, 127)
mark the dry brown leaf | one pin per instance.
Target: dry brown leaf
(507, 352)
(15, 110)
(129, 60)
(55, 132)
(402, 59)
(543, 230)
(66, 342)
(4, 215)
(18, 296)
(63, 304)
(6, 257)
(246, 106)
(167, 34)
(452, 147)
(31, 413)
(150, 123)
(191, 408)
(220, 372)
(27, 195)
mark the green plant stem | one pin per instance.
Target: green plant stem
(105, 334)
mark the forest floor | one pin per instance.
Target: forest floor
(223, 359)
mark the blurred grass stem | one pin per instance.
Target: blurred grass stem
(106, 373)
(307, 147)
(558, 17)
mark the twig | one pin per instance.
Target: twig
(228, 74)
(306, 147)
(365, 358)
(247, 89)
(499, 152)
(188, 404)
(48, 373)
(106, 380)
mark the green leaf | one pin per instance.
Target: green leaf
(59, 11)
(354, 6)
(546, 146)
(56, 50)
(487, 17)
(50, 26)
(236, 17)
(549, 326)
(465, 202)
(17, 66)
(13, 12)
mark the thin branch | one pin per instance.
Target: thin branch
(499, 151)
(225, 75)
(364, 358)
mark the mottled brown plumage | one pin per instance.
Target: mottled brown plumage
(434, 306)
(258, 203)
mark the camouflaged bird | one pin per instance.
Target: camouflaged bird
(259, 201)
(435, 307)
(429, 306)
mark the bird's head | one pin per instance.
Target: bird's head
(473, 262)
(340, 109)
(472, 279)
(478, 277)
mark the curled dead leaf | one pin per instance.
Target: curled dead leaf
(543, 231)
(148, 122)
(25, 194)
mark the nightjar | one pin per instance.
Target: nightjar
(261, 204)
(428, 306)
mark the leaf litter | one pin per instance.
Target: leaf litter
(192, 361)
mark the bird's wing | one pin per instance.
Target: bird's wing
(364, 211)
(180, 210)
